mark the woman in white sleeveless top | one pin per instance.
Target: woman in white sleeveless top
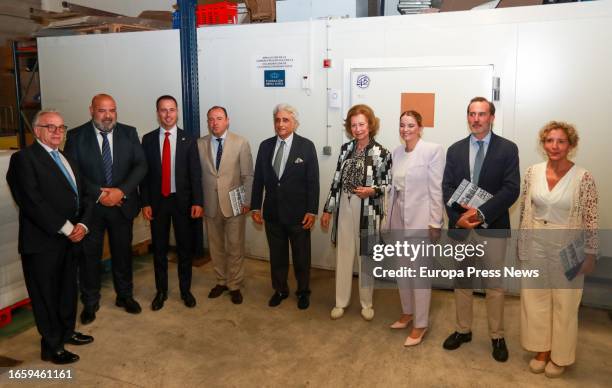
(558, 207)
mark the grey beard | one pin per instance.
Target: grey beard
(100, 128)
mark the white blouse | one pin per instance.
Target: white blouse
(401, 164)
(552, 206)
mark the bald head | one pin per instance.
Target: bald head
(103, 112)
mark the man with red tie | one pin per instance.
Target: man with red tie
(171, 191)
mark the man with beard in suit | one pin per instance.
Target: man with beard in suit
(110, 157)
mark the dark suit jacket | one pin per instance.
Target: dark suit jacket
(45, 199)
(499, 176)
(187, 171)
(129, 163)
(297, 192)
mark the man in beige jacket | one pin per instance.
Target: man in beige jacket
(227, 168)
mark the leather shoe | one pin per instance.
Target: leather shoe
(88, 315)
(236, 296)
(276, 299)
(158, 301)
(60, 357)
(188, 299)
(303, 301)
(216, 291)
(500, 351)
(129, 304)
(456, 339)
(79, 339)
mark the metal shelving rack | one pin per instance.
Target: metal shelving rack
(21, 50)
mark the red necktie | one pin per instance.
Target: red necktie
(166, 164)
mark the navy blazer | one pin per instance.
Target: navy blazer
(45, 199)
(287, 199)
(129, 163)
(499, 176)
(187, 171)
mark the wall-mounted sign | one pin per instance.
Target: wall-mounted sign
(277, 71)
(363, 81)
(274, 78)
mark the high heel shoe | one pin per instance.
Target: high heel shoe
(400, 325)
(415, 341)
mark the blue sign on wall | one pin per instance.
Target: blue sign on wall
(274, 78)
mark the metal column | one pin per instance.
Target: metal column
(191, 98)
(189, 67)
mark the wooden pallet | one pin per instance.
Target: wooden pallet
(6, 314)
(111, 27)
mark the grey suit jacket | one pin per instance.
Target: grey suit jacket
(235, 169)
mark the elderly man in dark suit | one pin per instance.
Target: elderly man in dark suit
(492, 163)
(288, 169)
(112, 162)
(53, 217)
(171, 191)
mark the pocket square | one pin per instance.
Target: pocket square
(298, 160)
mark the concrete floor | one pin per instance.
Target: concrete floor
(218, 344)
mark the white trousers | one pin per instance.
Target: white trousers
(347, 251)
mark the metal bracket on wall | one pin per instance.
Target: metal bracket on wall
(189, 67)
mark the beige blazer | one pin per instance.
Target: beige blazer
(236, 169)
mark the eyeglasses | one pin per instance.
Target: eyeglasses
(54, 128)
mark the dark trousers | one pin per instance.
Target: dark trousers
(119, 229)
(51, 280)
(279, 236)
(160, 232)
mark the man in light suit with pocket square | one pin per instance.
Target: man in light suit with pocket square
(288, 169)
(227, 165)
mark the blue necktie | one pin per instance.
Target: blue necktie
(219, 153)
(478, 161)
(107, 160)
(58, 161)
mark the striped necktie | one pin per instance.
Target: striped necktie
(107, 160)
(478, 161)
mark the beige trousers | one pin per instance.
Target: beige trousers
(493, 258)
(226, 244)
(549, 322)
(347, 251)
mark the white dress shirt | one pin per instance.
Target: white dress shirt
(101, 139)
(288, 141)
(67, 228)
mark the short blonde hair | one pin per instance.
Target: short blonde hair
(373, 121)
(569, 130)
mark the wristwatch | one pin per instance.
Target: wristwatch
(480, 216)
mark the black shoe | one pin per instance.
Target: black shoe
(188, 299)
(158, 301)
(217, 291)
(79, 339)
(500, 351)
(236, 296)
(88, 315)
(61, 356)
(276, 299)
(303, 301)
(129, 304)
(456, 339)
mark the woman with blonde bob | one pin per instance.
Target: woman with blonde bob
(356, 200)
(558, 207)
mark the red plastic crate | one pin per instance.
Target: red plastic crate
(223, 12)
